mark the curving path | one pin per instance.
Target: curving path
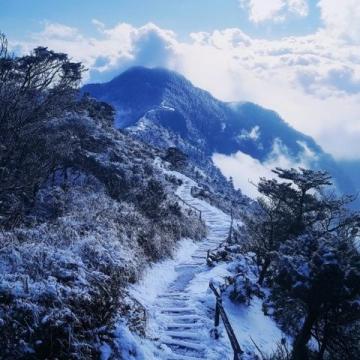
(180, 305)
(184, 328)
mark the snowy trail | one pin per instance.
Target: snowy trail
(179, 320)
(181, 308)
(186, 329)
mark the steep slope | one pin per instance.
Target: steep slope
(169, 100)
(165, 109)
(87, 234)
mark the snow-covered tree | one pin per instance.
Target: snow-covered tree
(316, 291)
(33, 89)
(304, 239)
(288, 208)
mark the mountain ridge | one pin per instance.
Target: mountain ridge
(202, 125)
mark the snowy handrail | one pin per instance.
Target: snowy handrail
(220, 311)
(189, 205)
(229, 238)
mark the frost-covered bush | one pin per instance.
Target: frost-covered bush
(241, 289)
(62, 281)
(83, 210)
(52, 304)
(242, 286)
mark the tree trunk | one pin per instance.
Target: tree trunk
(324, 343)
(264, 270)
(322, 350)
(299, 349)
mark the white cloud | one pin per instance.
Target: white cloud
(246, 170)
(111, 51)
(312, 81)
(60, 31)
(253, 134)
(260, 11)
(342, 18)
(299, 7)
(274, 10)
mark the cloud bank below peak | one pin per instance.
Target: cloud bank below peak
(246, 170)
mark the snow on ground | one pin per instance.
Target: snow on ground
(248, 322)
(166, 107)
(158, 277)
(181, 306)
(251, 323)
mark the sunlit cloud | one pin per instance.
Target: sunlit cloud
(342, 18)
(274, 10)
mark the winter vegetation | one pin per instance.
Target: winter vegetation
(84, 209)
(92, 195)
(297, 252)
(245, 140)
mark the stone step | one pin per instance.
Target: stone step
(177, 310)
(185, 326)
(184, 335)
(179, 267)
(174, 294)
(181, 357)
(184, 344)
(187, 319)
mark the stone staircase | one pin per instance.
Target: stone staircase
(185, 330)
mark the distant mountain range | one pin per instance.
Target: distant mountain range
(165, 109)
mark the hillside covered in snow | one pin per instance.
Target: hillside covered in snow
(164, 109)
(114, 222)
(85, 209)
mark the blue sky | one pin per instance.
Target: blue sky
(19, 17)
(298, 57)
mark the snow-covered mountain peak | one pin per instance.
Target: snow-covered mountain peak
(202, 124)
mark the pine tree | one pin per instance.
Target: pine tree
(306, 236)
(317, 284)
(34, 89)
(285, 210)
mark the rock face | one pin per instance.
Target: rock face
(164, 109)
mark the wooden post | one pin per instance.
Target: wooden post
(217, 320)
(220, 312)
(229, 239)
(217, 313)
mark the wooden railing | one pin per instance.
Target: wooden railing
(230, 235)
(220, 312)
(189, 205)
